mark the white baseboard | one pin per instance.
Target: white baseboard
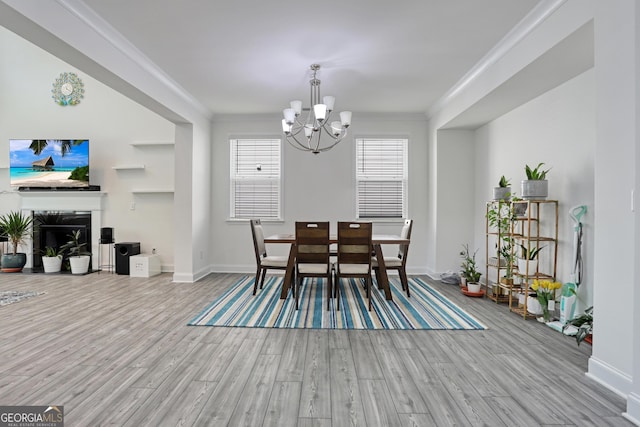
(610, 377)
(633, 409)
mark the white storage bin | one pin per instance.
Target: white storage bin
(144, 265)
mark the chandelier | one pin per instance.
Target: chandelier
(309, 135)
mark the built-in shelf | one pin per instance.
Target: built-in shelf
(4, 167)
(152, 191)
(151, 143)
(128, 167)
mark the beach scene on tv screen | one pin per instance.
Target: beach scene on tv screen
(49, 163)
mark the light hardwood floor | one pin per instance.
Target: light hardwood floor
(116, 350)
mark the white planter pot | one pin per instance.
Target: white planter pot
(533, 305)
(79, 264)
(473, 287)
(522, 266)
(52, 264)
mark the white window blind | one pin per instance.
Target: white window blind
(255, 178)
(381, 178)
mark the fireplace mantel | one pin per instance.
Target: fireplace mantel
(66, 201)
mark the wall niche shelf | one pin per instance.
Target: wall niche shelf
(151, 143)
(152, 191)
(128, 167)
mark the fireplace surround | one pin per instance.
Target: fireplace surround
(87, 204)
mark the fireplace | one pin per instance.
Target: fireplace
(52, 229)
(86, 208)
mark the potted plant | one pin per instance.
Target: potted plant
(79, 258)
(52, 259)
(503, 190)
(17, 228)
(529, 256)
(501, 217)
(536, 185)
(469, 270)
(584, 324)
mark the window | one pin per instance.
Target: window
(381, 178)
(255, 178)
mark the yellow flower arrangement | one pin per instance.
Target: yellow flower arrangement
(545, 291)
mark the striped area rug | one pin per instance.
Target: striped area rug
(426, 309)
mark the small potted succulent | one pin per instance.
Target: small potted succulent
(529, 257)
(536, 185)
(503, 190)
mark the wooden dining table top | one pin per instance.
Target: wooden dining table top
(376, 239)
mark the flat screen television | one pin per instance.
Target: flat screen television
(49, 163)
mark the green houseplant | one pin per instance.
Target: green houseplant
(536, 185)
(503, 190)
(500, 217)
(528, 260)
(469, 269)
(52, 259)
(79, 257)
(17, 228)
(584, 324)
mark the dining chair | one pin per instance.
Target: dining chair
(398, 262)
(354, 255)
(312, 255)
(264, 262)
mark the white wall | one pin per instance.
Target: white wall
(110, 121)
(316, 187)
(557, 128)
(616, 173)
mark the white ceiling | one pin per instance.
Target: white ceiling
(253, 56)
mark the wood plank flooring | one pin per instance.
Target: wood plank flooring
(117, 351)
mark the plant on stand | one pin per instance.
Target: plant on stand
(528, 258)
(536, 185)
(546, 295)
(500, 217)
(503, 190)
(17, 228)
(469, 269)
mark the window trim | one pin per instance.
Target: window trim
(232, 211)
(404, 179)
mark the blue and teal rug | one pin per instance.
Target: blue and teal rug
(426, 309)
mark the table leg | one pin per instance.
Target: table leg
(383, 279)
(288, 275)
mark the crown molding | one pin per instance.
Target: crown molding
(522, 29)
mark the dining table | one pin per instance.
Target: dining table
(377, 240)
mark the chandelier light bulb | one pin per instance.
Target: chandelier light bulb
(336, 127)
(320, 111)
(286, 128)
(329, 101)
(345, 118)
(289, 115)
(308, 131)
(297, 107)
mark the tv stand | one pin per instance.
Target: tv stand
(87, 188)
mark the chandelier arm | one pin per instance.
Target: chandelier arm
(301, 147)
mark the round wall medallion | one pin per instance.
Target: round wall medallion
(68, 89)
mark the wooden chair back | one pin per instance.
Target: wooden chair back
(354, 242)
(312, 242)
